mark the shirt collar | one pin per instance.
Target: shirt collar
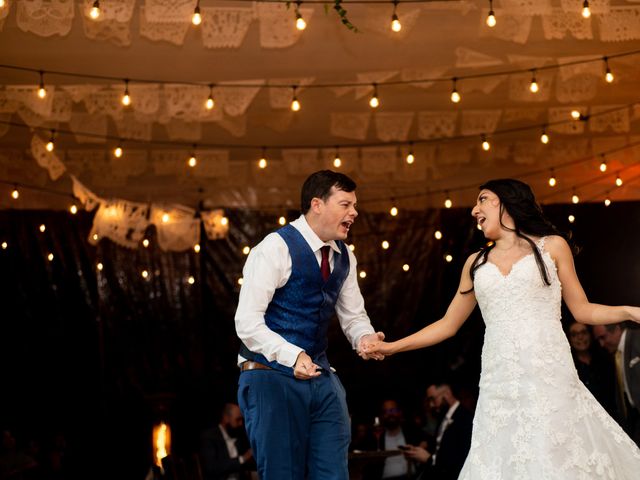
(452, 410)
(622, 339)
(310, 236)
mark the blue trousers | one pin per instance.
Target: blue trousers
(297, 428)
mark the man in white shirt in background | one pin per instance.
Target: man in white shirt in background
(295, 280)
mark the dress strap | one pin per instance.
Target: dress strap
(540, 243)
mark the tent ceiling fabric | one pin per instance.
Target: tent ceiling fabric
(252, 53)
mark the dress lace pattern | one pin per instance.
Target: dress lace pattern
(535, 419)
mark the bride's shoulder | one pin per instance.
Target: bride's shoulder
(557, 246)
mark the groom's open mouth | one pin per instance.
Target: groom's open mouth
(347, 224)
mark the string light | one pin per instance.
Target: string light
(363, 274)
(486, 146)
(246, 250)
(374, 102)
(295, 104)
(224, 221)
(576, 115)
(552, 179)
(191, 280)
(544, 138)
(491, 18)
(572, 218)
(196, 248)
(165, 218)
(300, 23)
(455, 96)
(410, 156)
(73, 209)
(5, 245)
(145, 274)
(393, 211)
(447, 201)
(50, 257)
(145, 243)
(196, 18)
(396, 26)
(193, 161)
(337, 162)
(117, 152)
(406, 267)
(586, 11)
(282, 221)
(95, 237)
(384, 245)
(437, 234)
(240, 281)
(603, 165)
(42, 91)
(575, 198)
(94, 13)
(608, 76)
(126, 98)
(15, 194)
(210, 103)
(50, 145)
(607, 200)
(352, 247)
(262, 163)
(448, 258)
(533, 86)
(618, 181)
(3, 3)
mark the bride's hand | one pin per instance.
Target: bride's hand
(378, 347)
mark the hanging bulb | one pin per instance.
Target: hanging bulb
(282, 221)
(3, 3)
(262, 163)
(533, 86)
(300, 23)
(394, 211)
(575, 198)
(586, 12)
(193, 161)
(491, 18)
(145, 243)
(42, 91)
(15, 194)
(571, 218)
(607, 201)
(447, 202)
(196, 18)
(117, 152)
(336, 160)
(618, 181)
(437, 234)
(210, 103)
(603, 165)
(396, 26)
(576, 115)
(410, 157)
(50, 145)
(374, 102)
(295, 104)
(486, 146)
(544, 138)
(608, 76)
(73, 209)
(552, 180)
(126, 98)
(455, 96)
(94, 13)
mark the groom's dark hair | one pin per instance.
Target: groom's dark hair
(319, 184)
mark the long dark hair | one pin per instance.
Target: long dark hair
(517, 199)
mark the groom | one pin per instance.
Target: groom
(294, 281)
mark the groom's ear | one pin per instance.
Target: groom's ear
(316, 205)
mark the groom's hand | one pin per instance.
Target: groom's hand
(367, 340)
(305, 369)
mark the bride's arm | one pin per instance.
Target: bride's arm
(459, 310)
(573, 293)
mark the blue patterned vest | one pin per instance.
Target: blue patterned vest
(300, 311)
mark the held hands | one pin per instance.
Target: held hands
(305, 369)
(366, 346)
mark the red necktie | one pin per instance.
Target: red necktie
(324, 264)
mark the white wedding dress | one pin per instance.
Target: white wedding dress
(535, 420)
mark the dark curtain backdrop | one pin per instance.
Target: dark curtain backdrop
(99, 356)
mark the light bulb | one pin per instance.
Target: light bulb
(282, 221)
(405, 267)
(94, 13)
(544, 138)
(352, 247)
(295, 105)
(300, 23)
(486, 146)
(437, 234)
(552, 181)
(246, 250)
(145, 243)
(455, 96)
(603, 166)
(575, 198)
(575, 114)
(448, 258)
(196, 19)
(209, 104)
(373, 101)
(99, 266)
(240, 281)
(73, 209)
(126, 98)
(618, 181)
(191, 280)
(571, 218)
(224, 221)
(15, 194)
(95, 237)
(117, 152)
(607, 202)
(42, 92)
(50, 257)
(385, 245)
(491, 19)
(410, 157)
(193, 161)
(363, 274)
(145, 274)
(394, 211)
(336, 161)
(448, 203)
(396, 26)
(586, 12)
(50, 146)
(196, 248)
(3, 3)
(608, 76)
(534, 85)
(262, 163)
(165, 217)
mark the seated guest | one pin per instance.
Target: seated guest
(220, 457)
(444, 460)
(595, 368)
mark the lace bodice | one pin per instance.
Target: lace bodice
(535, 419)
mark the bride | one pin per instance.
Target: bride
(534, 419)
